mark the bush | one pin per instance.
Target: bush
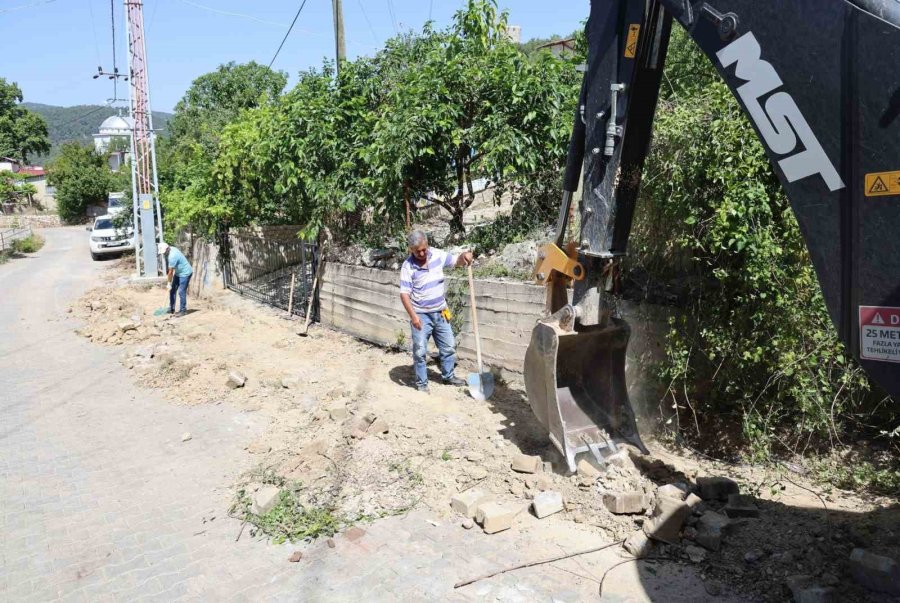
(29, 244)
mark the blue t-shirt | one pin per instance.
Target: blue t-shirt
(179, 263)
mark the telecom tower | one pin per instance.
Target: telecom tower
(144, 186)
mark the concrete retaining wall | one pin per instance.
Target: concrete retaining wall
(365, 302)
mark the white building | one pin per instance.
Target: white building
(115, 127)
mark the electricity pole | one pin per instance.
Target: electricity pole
(144, 185)
(340, 49)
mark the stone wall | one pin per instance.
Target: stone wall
(32, 220)
(365, 303)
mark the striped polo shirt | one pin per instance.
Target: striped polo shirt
(425, 284)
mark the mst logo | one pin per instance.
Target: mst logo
(781, 122)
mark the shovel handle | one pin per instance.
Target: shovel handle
(474, 318)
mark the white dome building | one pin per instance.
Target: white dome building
(115, 127)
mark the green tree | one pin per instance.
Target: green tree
(81, 177)
(22, 132)
(217, 98)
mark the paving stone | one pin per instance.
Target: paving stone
(466, 503)
(625, 502)
(495, 517)
(524, 463)
(667, 520)
(547, 503)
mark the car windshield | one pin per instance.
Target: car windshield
(103, 225)
(114, 203)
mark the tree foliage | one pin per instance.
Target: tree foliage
(82, 178)
(22, 132)
(760, 351)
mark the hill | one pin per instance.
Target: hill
(79, 123)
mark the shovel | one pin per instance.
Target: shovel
(481, 384)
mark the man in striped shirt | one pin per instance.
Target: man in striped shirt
(422, 294)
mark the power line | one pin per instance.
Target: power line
(390, 6)
(366, 17)
(88, 114)
(90, 4)
(283, 40)
(231, 14)
(112, 20)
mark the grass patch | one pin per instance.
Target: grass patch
(858, 475)
(291, 519)
(29, 244)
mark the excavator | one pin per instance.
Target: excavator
(820, 83)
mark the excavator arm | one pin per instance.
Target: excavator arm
(819, 81)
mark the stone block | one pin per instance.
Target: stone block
(524, 463)
(638, 544)
(711, 528)
(495, 517)
(236, 379)
(804, 590)
(623, 460)
(693, 501)
(626, 502)
(667, 519)
(546, 504)
(264, 500)
(127, 325)
(586, 470)
(716, 488)
(466, 503)
(741, 506)
(875, 572)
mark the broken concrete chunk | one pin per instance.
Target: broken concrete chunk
(236, 379)
(672, 491)
(295, 557)
(474, 457)
(667, 519)
(695, 553)
(875, 572)
(586, 470)
(543, 482)
(711, 528)
(127, 325)
(804, 590)
(546, 504)
(623, 460)
(186, 436)
(693, 501)
(625, 502)
(716, 488)
(468, 524)
(741, 506)
(264, 500)
(290, 383)
(466, 503)
(638, 544)
(495, 517)
(524, 463)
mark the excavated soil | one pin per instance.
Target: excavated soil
(345, 423)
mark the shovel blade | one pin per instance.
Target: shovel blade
(481, 385)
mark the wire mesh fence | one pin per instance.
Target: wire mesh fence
(268, 269)
(9, 236)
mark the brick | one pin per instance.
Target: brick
(524, 463)
(586, 470)
(546, 504)
(495, 517)
(875, 572)
(625, 502)
(716, 488)
(466, 503)
(264, 500)
(667, 520)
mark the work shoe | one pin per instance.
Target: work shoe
(171, 311)
(182, 313)
(422, 388)
(454, 381)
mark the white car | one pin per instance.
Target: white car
(115, 203)
(106, 239)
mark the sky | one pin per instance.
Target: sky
(52, 48)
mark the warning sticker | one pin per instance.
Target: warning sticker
(631, 43)
(879, 333)
(883, 184)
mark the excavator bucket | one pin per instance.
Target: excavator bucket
(575, 381)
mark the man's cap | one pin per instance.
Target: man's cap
(162, 248)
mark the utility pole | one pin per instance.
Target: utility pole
(340, 49)
(144, 185)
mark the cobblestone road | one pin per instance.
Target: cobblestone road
(100, 500)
